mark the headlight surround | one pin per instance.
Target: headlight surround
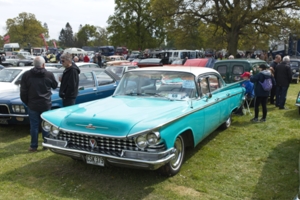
(54, 131)
(18, 108)
(141, 141)
(46, 126)
(153, 138)
(148, 139)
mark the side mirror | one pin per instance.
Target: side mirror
(81, 88)
(208, 96)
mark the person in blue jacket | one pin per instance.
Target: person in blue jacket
(261, 96)
(249, 93)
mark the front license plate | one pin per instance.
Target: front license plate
(94, 160)
(3, 121)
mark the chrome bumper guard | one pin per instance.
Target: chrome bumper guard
(136, 159)
(14, 115)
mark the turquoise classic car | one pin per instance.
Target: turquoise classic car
(154, 114)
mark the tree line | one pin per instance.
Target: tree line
(180, 24)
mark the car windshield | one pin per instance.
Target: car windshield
(8, 75)
(118, 70)
(158, 84)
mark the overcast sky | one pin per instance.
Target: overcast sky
(57, 13)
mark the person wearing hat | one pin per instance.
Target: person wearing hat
(261, 96)
(248, 85)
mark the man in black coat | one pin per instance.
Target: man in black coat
(35, 92)
(283, 77)
(273, 65)
(99, 60)
(69, 81)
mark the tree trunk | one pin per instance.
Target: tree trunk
(232, 39)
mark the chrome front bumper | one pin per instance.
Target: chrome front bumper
(134, 159)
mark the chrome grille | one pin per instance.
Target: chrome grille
(105, 145)
(4, 110)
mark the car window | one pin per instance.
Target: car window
(86, 79)
(237, 71)
(204, 86)
(8, 75)
(103, 78)
(294, 64)
(222, 70)
(213, 83)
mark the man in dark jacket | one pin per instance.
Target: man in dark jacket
(283, 77)
(261, 96)
(273, 65)
(69, 82)
(99, 59)
(36, 93)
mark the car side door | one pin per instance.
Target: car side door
(87, 87)
(210, 101)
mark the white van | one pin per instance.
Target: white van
(181, 54)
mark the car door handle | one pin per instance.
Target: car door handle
(95, 89)
(217, 99)
(228, 94)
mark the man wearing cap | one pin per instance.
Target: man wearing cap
(261, 96)
(283, 77)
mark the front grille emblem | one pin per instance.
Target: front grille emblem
(93, 143)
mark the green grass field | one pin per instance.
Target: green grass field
(246, 161)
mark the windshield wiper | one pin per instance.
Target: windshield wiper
(134, 94)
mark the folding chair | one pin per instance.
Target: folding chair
(247, 104)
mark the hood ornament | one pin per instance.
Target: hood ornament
(90, 126)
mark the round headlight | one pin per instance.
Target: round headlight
(152, 138)
(46, 126)
(54, 131)
(141, 141)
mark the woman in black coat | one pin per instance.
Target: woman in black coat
(261, 95)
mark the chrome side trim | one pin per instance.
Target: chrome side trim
(14, 115)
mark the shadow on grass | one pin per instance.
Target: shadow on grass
(190, 152)
(57, 177)
(14, 149)
(9, 133)
(279, 168)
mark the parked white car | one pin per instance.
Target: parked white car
(10, 77)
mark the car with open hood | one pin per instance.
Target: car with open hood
(93, 84)
(154, 114)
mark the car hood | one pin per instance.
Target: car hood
(117, 116)
(6, 86)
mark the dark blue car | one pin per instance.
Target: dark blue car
(93, 84)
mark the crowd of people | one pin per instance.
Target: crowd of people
(55, 58)
(278, 77)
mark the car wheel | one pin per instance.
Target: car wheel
(226, 124)
(173, 167)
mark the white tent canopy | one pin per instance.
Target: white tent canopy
(75, 50)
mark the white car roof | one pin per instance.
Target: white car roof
(84, 63)
(194, 70)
